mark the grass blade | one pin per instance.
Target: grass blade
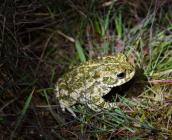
(80, 51)
(23, 112)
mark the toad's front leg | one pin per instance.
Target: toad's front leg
(97, 103)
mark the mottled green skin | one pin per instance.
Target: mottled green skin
(89, 81)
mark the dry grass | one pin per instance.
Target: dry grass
(37, 45)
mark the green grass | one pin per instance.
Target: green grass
(39, 40)
(23, 112)
(80, 51)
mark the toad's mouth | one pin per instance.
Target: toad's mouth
(118, 90)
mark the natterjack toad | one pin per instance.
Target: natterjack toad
(91, 80)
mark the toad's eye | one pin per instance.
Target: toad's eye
(121, 75)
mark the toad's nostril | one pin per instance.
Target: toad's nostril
(121, 75)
